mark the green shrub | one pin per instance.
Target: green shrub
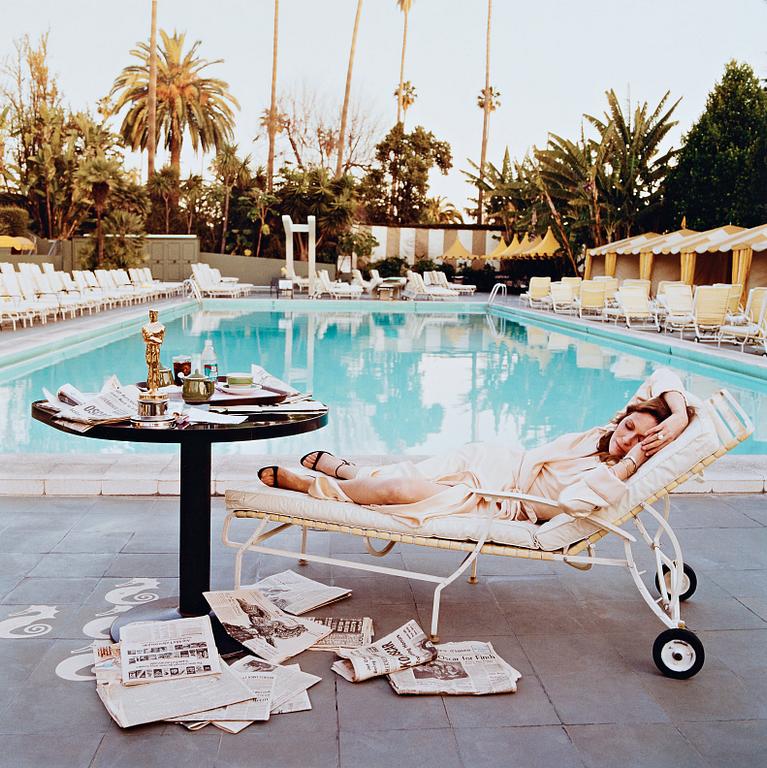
(14, 221)
(483, 278)
(391, 267)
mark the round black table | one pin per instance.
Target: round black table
(195, 441)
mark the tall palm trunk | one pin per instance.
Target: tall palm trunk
(152, 94)
(225, 223)
(402, 68)
(273, 103)
(485, 116)
(345, 108)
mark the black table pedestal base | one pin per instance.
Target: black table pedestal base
(166, 610)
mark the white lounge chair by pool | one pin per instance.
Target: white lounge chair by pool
(719, 425)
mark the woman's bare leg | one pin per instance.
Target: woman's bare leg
(365, 490)
(330, 465)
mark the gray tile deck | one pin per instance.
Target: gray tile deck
(589, 695)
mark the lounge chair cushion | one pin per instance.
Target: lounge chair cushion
(697, 442)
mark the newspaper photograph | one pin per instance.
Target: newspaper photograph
(154, 651)
(296, 594)
(265, 630)
(138, 704)
(466, 668)
(407, 646)
(345, 633)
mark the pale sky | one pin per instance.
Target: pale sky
(552, 60)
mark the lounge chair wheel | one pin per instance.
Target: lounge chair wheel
(689, 581)
(678, 653)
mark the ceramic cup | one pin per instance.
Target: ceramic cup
(239, 380)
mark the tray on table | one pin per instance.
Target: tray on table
(259, 397)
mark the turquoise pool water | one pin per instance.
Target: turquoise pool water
(396, 382)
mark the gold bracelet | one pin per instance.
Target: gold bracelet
(629, 458)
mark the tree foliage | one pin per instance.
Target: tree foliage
(721, 176)
(187, 101)
(394, 190)
(591, 189)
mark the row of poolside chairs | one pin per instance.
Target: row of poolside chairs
(40, 294)
(434, 286)
(710, 313)
(210, 283)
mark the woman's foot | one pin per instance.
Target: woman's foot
(279, 477)
(328, 464)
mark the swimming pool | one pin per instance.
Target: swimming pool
(413, 382)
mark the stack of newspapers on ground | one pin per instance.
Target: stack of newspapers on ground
(172, 670)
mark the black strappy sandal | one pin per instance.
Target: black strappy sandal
(313, 465)
(274, 476)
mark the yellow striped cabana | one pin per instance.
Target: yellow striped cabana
(19, 243)
(542, 248)
(690, 246)
(456, 251)
(504, 254)
(744, 244)
(610, 253)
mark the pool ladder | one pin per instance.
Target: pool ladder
(193, 289)
(497, 288)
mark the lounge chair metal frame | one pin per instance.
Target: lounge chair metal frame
(677, 652)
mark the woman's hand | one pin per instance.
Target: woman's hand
(664, 433)
(638, 454)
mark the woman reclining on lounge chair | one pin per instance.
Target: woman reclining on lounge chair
(583, 471)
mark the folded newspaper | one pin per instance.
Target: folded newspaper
(286, 687)
(252, 619)
(153, 651)
(469, 667)
(138, 704)
(113, 404)
(264, 379)
(406, 647)
(296, 594)
(346, 633)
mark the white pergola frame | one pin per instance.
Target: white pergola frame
(292, 229)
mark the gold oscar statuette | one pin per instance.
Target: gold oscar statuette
(153, 404)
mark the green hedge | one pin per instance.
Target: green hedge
(13, 221)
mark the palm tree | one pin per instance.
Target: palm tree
(406, 95)
(404, 6)
(186, 101)
(152, 93)
(345, 108)
(488, 104)
(98, 175)
(230, 172)
(192, 193)
(164, 184)
(272, 122)
(439, 210)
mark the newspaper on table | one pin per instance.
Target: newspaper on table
(469, 667)
(346, 633)
(263, 378)
(154, 651)
(407, 646)
(265, 630)
(138, 704)
(82, 411)
(296, 594)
